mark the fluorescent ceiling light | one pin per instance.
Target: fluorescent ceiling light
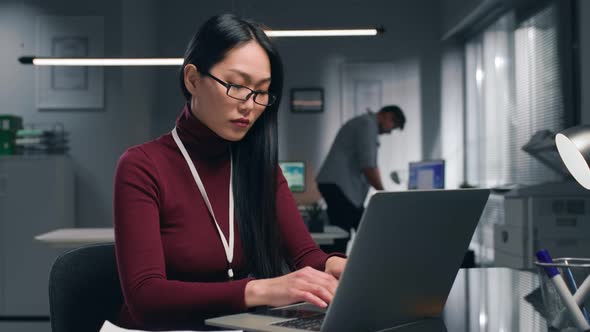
(41, 61)
(52, 61)
(323, 33)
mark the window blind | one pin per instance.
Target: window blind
(513, 89)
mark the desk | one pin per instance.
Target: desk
(77, 237)
(481, 300)
(492, 299)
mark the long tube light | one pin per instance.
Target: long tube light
(324, 33)
(49, 61)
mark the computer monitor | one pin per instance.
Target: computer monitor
(294, 172)
(427, 175)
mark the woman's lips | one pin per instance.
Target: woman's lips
(242, 123)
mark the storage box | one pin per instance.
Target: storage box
(7, 138)
(10, 122)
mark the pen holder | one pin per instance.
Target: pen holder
(574, 272)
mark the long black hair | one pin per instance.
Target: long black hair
(255, 157)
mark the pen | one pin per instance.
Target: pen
(564, 293)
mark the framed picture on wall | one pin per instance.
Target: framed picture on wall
(307, 100)
(70, 87)
(69, 77)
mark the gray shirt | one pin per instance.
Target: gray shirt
(354, 148)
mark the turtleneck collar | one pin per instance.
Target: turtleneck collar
(196, 136)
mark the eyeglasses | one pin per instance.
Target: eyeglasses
(244, 93)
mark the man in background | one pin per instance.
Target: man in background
(351, 167)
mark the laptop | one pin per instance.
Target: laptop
(406, 254)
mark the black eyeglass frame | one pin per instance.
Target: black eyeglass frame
(271, 98)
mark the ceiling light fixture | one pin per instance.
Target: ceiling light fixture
(49, 61)
(56, 61)
(325, 33)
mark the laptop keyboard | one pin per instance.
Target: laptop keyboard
(312, 323)
(305, 317)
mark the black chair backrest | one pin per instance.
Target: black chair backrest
(84, 289)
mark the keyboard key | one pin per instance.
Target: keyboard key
(313, 323)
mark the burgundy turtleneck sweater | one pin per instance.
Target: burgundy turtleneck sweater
(171, 261)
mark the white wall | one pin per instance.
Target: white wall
(97, 137)
(452, 115)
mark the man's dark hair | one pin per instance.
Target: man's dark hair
(398, 115)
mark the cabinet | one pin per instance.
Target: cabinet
(36, 196)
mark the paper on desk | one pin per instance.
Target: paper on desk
(110, 327)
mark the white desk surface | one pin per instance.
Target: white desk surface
(77, 237)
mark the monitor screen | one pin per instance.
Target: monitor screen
(294, 172)
(427, 175)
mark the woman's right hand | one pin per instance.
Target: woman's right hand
(306, 284)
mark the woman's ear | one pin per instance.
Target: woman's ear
(191, 78)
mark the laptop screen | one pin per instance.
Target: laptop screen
(294, 172)
(427, 175)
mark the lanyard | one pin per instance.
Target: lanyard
(229, 249)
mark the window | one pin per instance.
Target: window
(513, 89)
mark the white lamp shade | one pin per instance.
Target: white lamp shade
(573, 145)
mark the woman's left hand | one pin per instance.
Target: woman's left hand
(335, 265)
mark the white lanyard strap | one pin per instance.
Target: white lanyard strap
(229, 249)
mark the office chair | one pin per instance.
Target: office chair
(84, 289)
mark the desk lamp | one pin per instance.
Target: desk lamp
(573, 145)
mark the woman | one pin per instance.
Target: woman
(176, 218)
